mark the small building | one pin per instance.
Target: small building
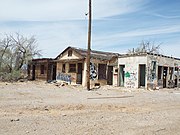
(147, 70)
(72, 67)
(42, 69)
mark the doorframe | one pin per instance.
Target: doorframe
(166, 76)
(139, 75)
(119, 80)
(111, 78)
(81, 73)
(33, 72)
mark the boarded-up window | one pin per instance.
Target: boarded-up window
(64, 68)
(42, 69)
(69, 53)
(101, 71)
(72, 68)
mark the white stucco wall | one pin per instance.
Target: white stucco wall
(132, 67)
(151, 80)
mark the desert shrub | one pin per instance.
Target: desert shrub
(10, 77)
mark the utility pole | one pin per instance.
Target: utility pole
(89, 48)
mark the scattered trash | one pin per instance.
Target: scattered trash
(15, 120)
(64, 115)
(46, 109)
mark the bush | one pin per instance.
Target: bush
(10, 77)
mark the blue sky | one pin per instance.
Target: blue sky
(118, 25)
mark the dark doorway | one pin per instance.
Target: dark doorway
(159, 72)
(110, 75)
(54, 72)
(142, 75)
(79, 74)
(121, 75)
(33, 72)
(165, 69)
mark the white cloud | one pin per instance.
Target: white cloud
(50, 10)
(52, 37)
(59, 25)
(165, 16)
(147, 32)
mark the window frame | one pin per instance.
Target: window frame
(72, 69)
(63, 68)
(70, 53)
(102, 74)
(42, 69)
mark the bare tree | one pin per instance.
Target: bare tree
(4, 46)
(146, 46)
(15, 51)
(25, 49)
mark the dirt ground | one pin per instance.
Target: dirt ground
(36, 108)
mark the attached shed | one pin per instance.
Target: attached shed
(72, 66)
(147, 70)
(42, 69)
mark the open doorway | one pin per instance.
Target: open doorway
(110, 75)
(79, 73)
(33, 72)
(142, 75)
(165, 70)
(121, 75)
(54, 73)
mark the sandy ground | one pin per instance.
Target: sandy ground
(36, 108)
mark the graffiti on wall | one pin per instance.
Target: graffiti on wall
(93, 71)
(130, 84)
(151, 76)
(64, 77)
(131, 76)
(131, 79)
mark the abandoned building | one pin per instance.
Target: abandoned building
(138, 70)
(147, 70)
(72, 67)
(42, 69)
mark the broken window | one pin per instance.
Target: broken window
(42, 69)
(101, 71)
(72, 68)
(64, 68)
(69, 53)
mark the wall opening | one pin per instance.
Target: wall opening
(54, 73)
(33, 72)
(72, 68)
(121, 75)
(142, 75)
(102, 71)
(165, 70)
(42, 69)
(79, 74)
(63, 68)
(110, 75)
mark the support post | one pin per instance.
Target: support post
(89, 48)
